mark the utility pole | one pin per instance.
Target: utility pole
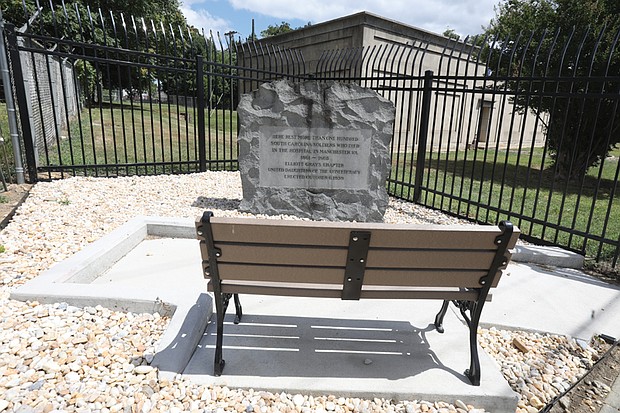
(229, 35)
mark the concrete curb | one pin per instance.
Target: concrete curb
(612, 401)
(552, 256)
(71, 280)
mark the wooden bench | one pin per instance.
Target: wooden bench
(458, 263)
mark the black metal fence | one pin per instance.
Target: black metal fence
(533, 137)
(119, 96)
(487, 129)
(524, 129)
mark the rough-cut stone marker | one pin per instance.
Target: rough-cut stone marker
(315, 150)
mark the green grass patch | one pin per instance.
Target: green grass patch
(4, 121)
(144, 139)
(484, 184)
(6, 146)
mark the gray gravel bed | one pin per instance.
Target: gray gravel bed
(62, 358)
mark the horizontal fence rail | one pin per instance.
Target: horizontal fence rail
(523, 130)
(486, 129)
(110, 95)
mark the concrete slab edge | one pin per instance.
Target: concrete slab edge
(69, 282)
(552, 256)
(504, 403)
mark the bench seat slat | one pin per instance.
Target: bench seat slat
(329, 257)
(327, 291)
(337, 233)
(334, 275)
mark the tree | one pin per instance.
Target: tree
(274, 30)
(535, 42)
(97, 22)
(284, 27)
(18, 13)
(451, 34)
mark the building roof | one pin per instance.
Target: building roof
(364, 18)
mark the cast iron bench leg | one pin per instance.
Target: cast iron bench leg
(221, 304)
(238, 310)
(440, 316)
(475, 309)
(473, 373)
(220, 308)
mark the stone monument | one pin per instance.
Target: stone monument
(315, 150)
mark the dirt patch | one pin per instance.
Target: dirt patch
(605, 272)
(588, 396)
(10, 200)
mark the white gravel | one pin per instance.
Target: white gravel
(62, 358)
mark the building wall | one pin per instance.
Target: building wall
(389, 52)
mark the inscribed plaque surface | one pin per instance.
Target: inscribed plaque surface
(314, 158)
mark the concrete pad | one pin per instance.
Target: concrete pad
(554, 300)
(368, 348)
(309, 350)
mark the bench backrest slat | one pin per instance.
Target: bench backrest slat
(337, 233)
(336, 257)
(440, 278)
(305, 253)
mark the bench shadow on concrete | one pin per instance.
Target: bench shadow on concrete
(183, 335)
(302, 347)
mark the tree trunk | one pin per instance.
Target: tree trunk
(580, 134)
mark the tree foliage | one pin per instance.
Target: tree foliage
(560, 58)
(284, 27)
(451, 34)
(18, 12)
(276, 29)
(128, 25)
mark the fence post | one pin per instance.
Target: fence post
(22, 101)
(200, 89)
(10, 107)
(424, 121)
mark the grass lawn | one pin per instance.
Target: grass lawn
(4, 121)
(479, 184)
(468, 184)
(7, 164)
(134, 136)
